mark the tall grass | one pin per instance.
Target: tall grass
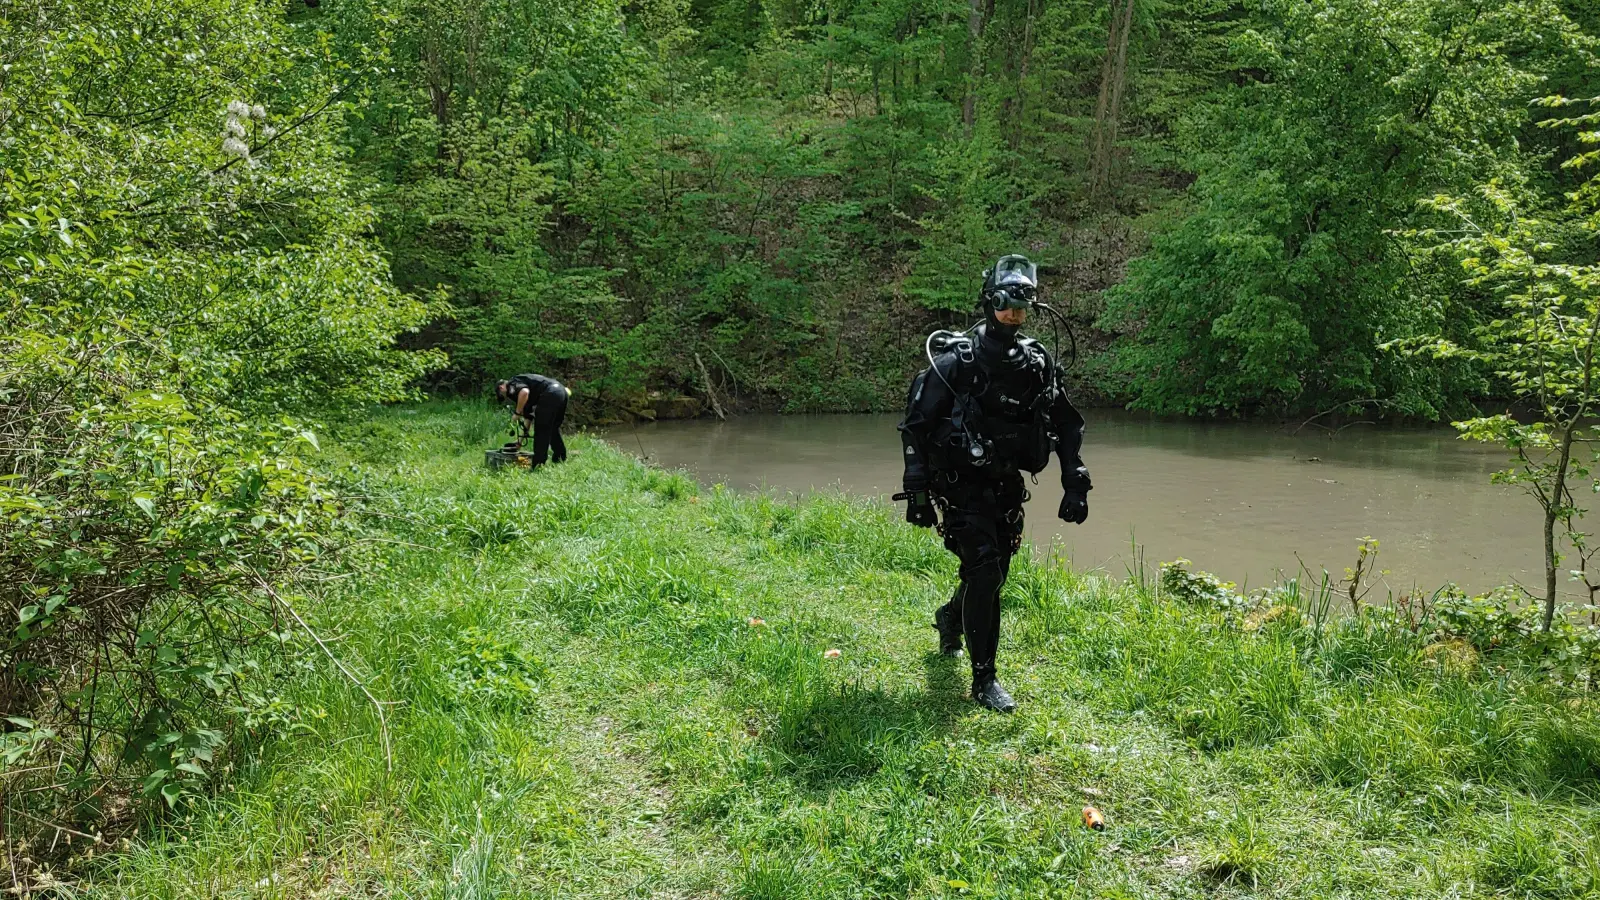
(607, 682)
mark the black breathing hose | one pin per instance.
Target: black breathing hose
(1072, 336)
(927, 349)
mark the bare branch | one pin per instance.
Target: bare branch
(383, 721)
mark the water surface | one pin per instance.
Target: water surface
(1247, 501)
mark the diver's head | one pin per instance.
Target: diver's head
(1011, 318)
(1010, 288)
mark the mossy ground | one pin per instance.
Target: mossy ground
(607, 682)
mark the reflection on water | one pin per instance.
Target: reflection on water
(1246, 501)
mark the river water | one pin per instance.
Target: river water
(1249, 502)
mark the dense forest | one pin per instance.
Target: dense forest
(775, 200)
(781, 197)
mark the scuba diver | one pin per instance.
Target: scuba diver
(538, 403)
(988, 407)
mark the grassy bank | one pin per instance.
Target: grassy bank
(609, 683)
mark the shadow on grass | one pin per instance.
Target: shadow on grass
(946, 680)
(849, 732)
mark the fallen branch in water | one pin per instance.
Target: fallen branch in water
(710, 392)
(1331, 410)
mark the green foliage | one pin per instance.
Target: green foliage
(1530, 859)
(1200, 588)
(1542, 343)
(183, 262)
(1501, 625)
(690, 733)
(144, 176)
(137, 529)
(1276, 292)
(493, 670)
(784, 197)
(780, 197)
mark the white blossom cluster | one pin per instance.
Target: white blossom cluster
(234, 131)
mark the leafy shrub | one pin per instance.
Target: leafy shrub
(138, 533)
(1200, 588)
(181, 257)
(1486, 621)
(494, 670)
(1495, 623)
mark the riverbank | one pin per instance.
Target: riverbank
(1249, 502)
(606, 682)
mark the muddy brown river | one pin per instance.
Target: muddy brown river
(1249, 502)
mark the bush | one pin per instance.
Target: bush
(138, 533)
(1496, 624)
(180, 251)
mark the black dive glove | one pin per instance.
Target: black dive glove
(919, 508)
(1074, 507)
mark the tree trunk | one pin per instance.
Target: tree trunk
(1557, 499)
(472, 47)
(1022, 77)
(711, 392)
(969, 104)
(827, 71)
(1558, 492)
(438, 82)
(944, 26)
(1108, 107)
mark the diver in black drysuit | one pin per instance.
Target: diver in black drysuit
(994, 408)
(540, 403)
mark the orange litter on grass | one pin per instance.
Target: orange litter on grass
(1093, 819)
(832, 653)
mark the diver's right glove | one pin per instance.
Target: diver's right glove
(919, 508)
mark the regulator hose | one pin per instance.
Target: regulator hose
(1071, 335)
(955, 396)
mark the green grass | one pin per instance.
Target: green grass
(582, 708)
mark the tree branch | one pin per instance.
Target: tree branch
(383, 721)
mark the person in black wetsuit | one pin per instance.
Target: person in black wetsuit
(989, 408)
(539, 403)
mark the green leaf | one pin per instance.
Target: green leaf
(146, 504)
(155, 780)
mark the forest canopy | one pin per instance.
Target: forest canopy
(783, 196)
(776, 200)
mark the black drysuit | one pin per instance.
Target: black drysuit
(545, 407)
(1006, 395)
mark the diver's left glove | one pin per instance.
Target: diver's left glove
(919, 508)
(1074, 507)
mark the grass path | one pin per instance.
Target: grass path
(612, 684)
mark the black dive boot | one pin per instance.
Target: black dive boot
(987, 691)
(947, 619)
